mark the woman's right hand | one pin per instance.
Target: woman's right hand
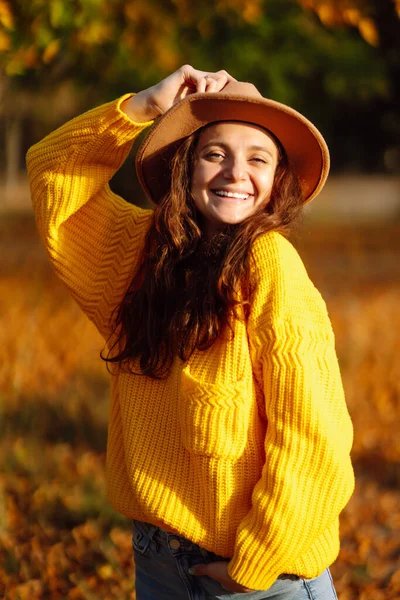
(156, 100)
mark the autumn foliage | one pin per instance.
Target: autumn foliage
(58, 536)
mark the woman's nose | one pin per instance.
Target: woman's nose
(235, 170)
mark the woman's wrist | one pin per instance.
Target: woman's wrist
(139, 108)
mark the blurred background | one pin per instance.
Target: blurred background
(338, 62)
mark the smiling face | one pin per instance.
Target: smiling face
(233, 173)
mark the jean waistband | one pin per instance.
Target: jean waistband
(167, 539)
(174, 542)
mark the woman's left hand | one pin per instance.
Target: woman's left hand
(219, 572)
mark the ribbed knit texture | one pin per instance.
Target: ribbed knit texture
(245, 448)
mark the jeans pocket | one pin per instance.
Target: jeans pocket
(321, 587)
(212, 586)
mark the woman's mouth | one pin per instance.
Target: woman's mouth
(232, 195)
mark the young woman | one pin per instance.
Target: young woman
(229, 436)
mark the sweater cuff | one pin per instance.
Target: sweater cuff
(251, 569)
(137, 124)
(113, 121)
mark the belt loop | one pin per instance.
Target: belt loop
(151, 531)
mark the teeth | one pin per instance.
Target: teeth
(231, 194)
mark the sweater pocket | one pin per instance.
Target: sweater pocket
(214, 418)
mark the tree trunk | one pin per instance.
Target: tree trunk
(13, 138)
(388, 24)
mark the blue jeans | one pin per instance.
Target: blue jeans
(163, 559)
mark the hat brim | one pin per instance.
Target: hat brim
(304, 145)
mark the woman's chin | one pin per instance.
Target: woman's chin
(230, 217)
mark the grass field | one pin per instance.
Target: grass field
(58, 536)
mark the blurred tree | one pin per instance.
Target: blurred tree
(310, 54)
(331, 75)
(378, 23)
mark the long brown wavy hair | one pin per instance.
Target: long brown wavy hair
(187, 288)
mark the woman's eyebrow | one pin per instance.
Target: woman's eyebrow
(261, 149)
(214, 143)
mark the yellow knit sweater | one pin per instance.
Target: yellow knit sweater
(245, 448)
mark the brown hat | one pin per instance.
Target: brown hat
(304, 145)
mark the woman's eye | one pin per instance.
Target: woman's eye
(259, 160)
(214, 155)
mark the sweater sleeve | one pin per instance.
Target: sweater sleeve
(93, 237)
(307, 477)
